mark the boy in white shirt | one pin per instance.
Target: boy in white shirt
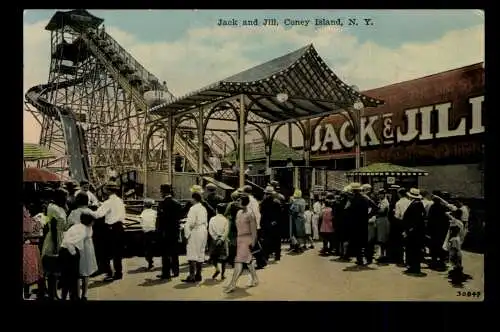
(148, 224)
(218, 228)
(72, 248)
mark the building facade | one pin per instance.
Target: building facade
(434, 123)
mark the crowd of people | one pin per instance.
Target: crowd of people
(397, 226)
(70, 235)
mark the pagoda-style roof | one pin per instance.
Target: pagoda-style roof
(279, 152)
(78, 16)
(313, 89)
(386, 169)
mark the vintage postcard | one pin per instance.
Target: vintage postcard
(312, 155)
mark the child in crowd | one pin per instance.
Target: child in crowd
(453, 244)
(308, 216)
(73, 250)
(455, 252)
(218, 228)
(148, 224)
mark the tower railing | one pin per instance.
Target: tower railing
(101, 38)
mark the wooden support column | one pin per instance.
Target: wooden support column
(241, 140)
(170, 147)
(201, 133)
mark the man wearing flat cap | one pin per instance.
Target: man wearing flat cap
(211, 200)
(168, 226)
(85, 188)
(270, 209)
(71, 187)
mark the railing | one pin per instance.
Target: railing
(127, 57)
(215, 140)
(125, 84)
(260, 180)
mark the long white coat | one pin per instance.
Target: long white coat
(317, 211)
(195, 231)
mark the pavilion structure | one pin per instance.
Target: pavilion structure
(293, 88)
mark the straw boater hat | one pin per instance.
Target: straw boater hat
(414, 193)
(269, 190)
(355, 186)
(196, 189)
(149, 201)
(366, 186)
(236, 194)
(297, 193)
(211, 187)
(347, 189)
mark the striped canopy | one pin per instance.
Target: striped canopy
(34, 152)
(386, 169)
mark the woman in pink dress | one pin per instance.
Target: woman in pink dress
(246, 226)
(32, 266)
(326, 228)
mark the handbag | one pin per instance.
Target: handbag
(256, 249)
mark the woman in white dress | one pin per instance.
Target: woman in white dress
(88, 262)
(308, 216)
(196, 232)
(317, 212)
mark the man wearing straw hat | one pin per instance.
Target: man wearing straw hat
(414, 225)
(357, 213)
(113, 211)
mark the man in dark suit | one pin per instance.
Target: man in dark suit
(357, 214)
(167, 226)
(414, 225)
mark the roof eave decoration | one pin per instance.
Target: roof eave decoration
(312, 87)
(387, 169)
(387, 173)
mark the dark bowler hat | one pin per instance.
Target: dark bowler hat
(247, 189)
(70, 185)
(166, 189)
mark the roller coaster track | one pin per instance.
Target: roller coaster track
(92, 40)
(74, 135)
(99, 42)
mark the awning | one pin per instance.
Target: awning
(35, 152)
(39, 175)
(313, 89)
(386, 169)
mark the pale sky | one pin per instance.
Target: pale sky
(188, 50)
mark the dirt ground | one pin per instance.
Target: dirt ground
(305, 277)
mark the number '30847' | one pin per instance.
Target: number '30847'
(468, 294)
